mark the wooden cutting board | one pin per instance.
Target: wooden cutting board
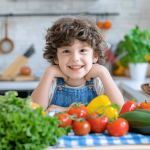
(19, 78)
(14, 68)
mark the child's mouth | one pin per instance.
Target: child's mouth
(75, 68)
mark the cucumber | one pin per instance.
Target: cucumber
(139, 121)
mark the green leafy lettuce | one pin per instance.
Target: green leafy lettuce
(22, 128)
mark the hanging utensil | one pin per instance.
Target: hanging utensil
(6, 45)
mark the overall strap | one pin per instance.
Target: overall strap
(60, 83)
(90, 83)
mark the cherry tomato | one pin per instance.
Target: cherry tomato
(145, 105)
(80, 111)
(65, 121)
(81, 128)
(25, 70)
(118, 127)
(98, 124)
(34, 106)
(147, 109)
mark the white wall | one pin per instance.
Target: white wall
(24, 31)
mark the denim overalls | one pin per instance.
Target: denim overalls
(64, 96)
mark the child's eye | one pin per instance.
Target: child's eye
(66, 51)
(83, 50)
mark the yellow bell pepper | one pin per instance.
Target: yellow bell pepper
(96, 102)
(112, 112)
(104, 101)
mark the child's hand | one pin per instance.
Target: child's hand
(55, 70)
(56, 108)
(94, 72)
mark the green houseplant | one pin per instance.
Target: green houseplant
(135, 48)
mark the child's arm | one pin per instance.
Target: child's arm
(41, 94)
(111, 89)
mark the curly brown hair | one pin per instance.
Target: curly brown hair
(68, 28)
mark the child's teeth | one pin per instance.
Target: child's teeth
(76, 67)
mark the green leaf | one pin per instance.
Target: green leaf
(121, 47)
(11, 94)
(128, 37)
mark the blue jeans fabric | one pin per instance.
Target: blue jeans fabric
(64, 96)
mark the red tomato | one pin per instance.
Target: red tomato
(79, 111)
(65, 121)
(118, 127)
(25, 70)
(145, 105)
(34, 106)
(81, 128)
(147, 109)
(97, 123)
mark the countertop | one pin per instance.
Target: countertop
(132, 87)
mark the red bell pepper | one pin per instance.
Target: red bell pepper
(130, 105)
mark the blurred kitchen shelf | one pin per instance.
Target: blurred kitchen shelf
(58, 14)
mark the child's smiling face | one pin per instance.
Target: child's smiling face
(75, 61)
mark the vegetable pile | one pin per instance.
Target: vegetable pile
(98, 116)
(24, 124)
(101, 115)
(24, 128)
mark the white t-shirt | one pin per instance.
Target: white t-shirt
(97, 85)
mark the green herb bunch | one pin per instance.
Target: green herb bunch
(22, 128)
(135, 46)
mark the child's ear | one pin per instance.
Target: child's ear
(95, 59)
(56, 61)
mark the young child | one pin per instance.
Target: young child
(76, 49)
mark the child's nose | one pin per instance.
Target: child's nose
(75, 57)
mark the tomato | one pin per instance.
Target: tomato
(65, 121)
(98, 124)
(147, 109)
(118, 127)
(34, 105)
(80, 111)
(81, 128)
(107, 25)
(25, 70)
(100, 24)
(145, 105)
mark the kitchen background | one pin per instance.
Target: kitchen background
(27, 30)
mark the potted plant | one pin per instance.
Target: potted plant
(134, 50)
